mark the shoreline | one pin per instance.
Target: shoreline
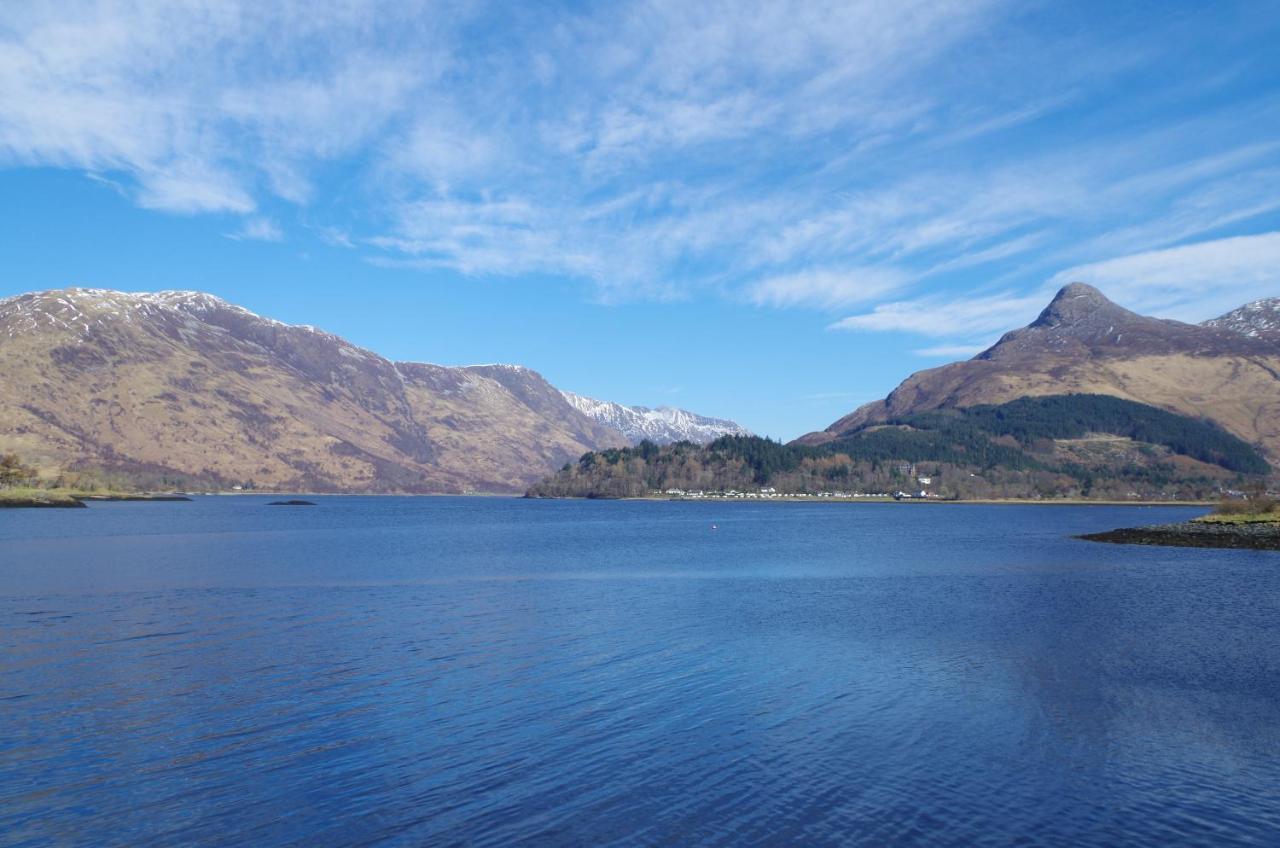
(46, 498)
(1257, 536)
(61, 499)
(1206, 504)
(934, 501)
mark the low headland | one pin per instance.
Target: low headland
(1252, 524)
(22, 485)
(74, 499)
(29, 497)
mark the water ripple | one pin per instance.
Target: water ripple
(811, 681)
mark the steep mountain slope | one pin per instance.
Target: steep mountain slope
(182, 385)
(1084, 343)
(661, 426)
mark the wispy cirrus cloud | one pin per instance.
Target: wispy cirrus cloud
(942, 317)
(827, 288)
(258, 229)
(927, 158)
(206, 106)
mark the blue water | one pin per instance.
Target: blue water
(441, 671)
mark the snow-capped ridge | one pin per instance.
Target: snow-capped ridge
(662, 425)
(505, 366)
(1259, 319)
(79, 308)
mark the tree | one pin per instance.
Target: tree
(12, 471)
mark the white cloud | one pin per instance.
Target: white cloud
(443, 151)
(258, 229)
(212, 107)
(191, 189)
(827, 288)
(961, 317)
(792, 153)
(683, 74)
(984, 256)
(206, 106)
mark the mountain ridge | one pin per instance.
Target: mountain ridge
(1258, 319)
(661, 425)
(182, 387)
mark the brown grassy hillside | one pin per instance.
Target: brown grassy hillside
(186, 385)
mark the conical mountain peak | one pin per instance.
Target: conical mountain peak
(1076, 303)
(1081, 321)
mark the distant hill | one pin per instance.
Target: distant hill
(1050, 446)
(184, 389)
(1226, 370)
(662, 425)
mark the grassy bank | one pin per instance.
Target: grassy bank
(1257, 508)
(23, 497)
(1272, 517)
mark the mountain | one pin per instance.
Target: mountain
(1258, 320)
(661, 426)
(1226, 370)
(185, 388)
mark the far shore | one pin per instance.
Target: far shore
(787, 498)
(989, 501)
(72, 498)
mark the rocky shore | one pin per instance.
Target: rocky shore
(1261, 536)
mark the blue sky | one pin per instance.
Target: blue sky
(766, 211)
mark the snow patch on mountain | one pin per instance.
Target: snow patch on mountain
(1258, 320)
(662, 425)
(82, 309)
